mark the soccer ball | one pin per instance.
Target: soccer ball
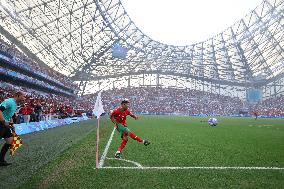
(213, 122)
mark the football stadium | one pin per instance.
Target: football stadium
(94, 96)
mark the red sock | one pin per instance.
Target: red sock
(133, 136)
(122, 145)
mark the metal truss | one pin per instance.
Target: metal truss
(76, 39)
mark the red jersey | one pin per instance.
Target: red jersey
(120, 116)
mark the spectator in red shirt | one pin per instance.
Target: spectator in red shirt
(25, 112)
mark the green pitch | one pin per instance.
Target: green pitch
(177, 142)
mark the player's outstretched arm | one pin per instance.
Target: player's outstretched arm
(112, 119)
(134, 116)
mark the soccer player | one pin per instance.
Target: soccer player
(118, 117)
(7, 109)
(255, 114)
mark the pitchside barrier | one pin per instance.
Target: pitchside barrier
(25, 128)
(204, 115)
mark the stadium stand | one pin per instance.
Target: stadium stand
(41, 106)
(15, 65)
(270, 107)
(184, 101)
(45, 106)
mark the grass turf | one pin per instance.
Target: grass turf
(38, 149)
(176, 141)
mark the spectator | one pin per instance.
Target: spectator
(154, 100)
(38, 112)
(24, 111)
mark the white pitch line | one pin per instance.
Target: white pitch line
(129, 161)
(139, 166)
(208, 168)
(102, 160)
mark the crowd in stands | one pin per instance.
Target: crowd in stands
(7, 72)
(184, 101)
(21, 60)
(43, 106)
(270, 107)
(169, 100)
(40, 106)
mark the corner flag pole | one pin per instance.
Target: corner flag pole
(97, 145)
(97, 111)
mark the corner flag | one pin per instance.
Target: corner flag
(17, 142)
(98, 109)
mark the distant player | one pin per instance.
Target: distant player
(118, 117)
(255, 115)
(7, 109)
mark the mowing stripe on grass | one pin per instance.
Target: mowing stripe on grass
(106, 150)
(176, 168)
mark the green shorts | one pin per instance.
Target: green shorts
(121, 128)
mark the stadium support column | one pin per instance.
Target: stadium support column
(79, 86)
(158, 80)
(83, 84)
(99, 83)
(274, 88)
(129, 81)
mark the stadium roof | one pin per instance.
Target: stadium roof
(76, 38)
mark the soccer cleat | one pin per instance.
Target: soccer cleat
(117, 155)
(146, 142)
(4, 163)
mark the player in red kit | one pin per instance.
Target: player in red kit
(255, 114)
(118, 117)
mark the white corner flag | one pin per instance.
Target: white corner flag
(98, 109)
